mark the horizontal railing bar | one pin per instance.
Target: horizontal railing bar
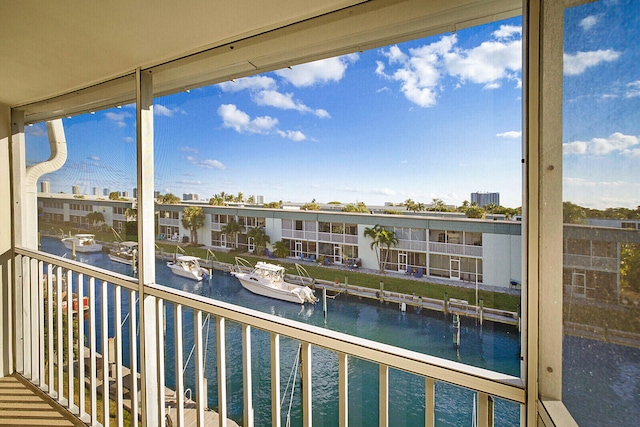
(478, 379)
(99, 273)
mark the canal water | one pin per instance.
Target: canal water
(491, 346)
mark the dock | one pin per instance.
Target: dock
(404, 301)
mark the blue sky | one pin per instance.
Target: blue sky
(432, 118)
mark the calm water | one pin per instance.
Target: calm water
(494, 347)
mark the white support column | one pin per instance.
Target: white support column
(150, 410)
(18, 166)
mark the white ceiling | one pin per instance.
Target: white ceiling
(50, 47)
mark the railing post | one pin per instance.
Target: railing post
(305, 379)
(430, 402)
(222, 371)
(384, 396)
(343, 389)
(246, 375)
(275, 380)
(485, 410)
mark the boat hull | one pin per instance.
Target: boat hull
(266, 290)
(121, 260)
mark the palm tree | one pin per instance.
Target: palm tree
(233, 228)
(381, 237)
(216, 200)
(260, 238)
(169, 199)
(131, 213)
(192, 220)
(95, 217)
(281, 249)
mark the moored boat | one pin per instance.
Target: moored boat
(189, 267)
(124, 252)
(268, 280)
(84, 243)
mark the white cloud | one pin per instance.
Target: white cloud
(507, 31)
(251, 83)
(118, 118)
(190, 182)
(285, 101)
(395, 55)
(617, 142)
(94, 158)
(589, 22)
(486, 64)
(317, 72)
(634, 89)
(207, 164)
(161, 110)
(294, 135)
(128, 139)
(241, 122)
(577, 63)
(422, 69)
(512, 134)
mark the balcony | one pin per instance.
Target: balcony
(47, 336)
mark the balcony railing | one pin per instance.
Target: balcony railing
(455, 249)
(48, 338)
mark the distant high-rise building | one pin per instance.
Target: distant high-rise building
(190, 196)
(260, 200)
(125, 194)
(483, 199)
(156, 194)
(96, 191)
(75, 189)
(45, 187)
(135, 193)
(105, 192)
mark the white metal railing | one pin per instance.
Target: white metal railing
(455, 249)
(169, 221)
(46, 367)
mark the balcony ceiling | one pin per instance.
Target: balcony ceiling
(52, 47)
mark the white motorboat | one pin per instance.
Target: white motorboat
(84, 243)
(268, 280)
(124, 253)
(189, 267)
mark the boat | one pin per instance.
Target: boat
(124, 252)
(84, 243)
(189, 267)
(268, 280)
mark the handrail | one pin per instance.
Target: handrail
(79, 267)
